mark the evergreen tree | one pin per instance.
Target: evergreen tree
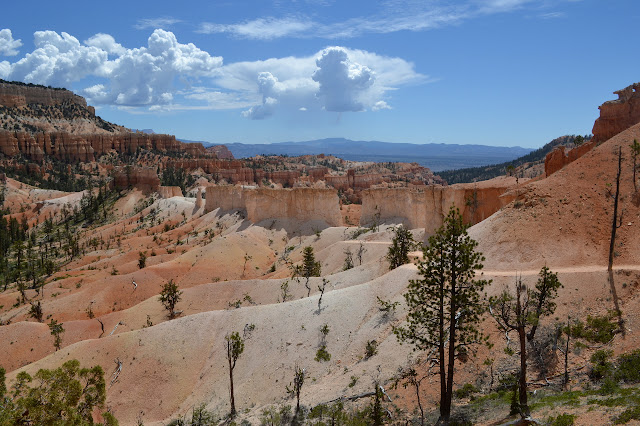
(446, 303)
(170, 296)
(235, 347)
(401, 244)
(310, 267)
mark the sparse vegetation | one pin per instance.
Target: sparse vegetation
(169, 297)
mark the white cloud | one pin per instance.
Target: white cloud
(5, 67)
(261, 29)
(393, 16)
(141, 76)
(166, 75)
(107, 43)
(155, 23)
(342, 81)
(58, 60)
(334, 79)
(380, 105)
(8, 46)
(145, 76)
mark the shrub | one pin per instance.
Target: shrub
(466, 391)
(371, 349)
(322, 354)
(628, 368)
(601, 366)
(562, 420)
(598, 329)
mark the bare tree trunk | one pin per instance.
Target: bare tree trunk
(566, 356)
(616, 222)
(522, 386)
(233, 401)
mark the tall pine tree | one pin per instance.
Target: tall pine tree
(446, 304)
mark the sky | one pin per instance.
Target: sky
(492, 72)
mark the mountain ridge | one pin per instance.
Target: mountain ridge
(436, 156)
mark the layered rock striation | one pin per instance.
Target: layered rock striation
(14, 94)
(86, 148)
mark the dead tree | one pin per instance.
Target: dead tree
(616, 222)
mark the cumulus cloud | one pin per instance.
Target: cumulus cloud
(141, 76)
(334, 79)
(8, 46)
(107, 43)
(342, 81)
(168, 75)
(58, 60)
(5, 67)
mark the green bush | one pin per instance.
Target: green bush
(466, 391)
(628, 368)
(601, 366)
(322, 354)
(598, 329)
(627, 415)
(562, 420)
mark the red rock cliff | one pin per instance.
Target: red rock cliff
(618, 115)
(19, 95)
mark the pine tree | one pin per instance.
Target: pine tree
(446, 304)
(235, 347)
(170, 296)
(401, 244)
(310, 267)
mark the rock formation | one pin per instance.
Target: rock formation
(169, 191)
(618, 115)
(85, 148)
(426, 207)
(18, 95)
(221, 152)
(303, 204)
(144, 178)
(557, 159)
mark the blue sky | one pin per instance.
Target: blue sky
(494, 72)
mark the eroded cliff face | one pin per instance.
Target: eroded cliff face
(558, 158)
(169, 191)
(618, 115)
(86, 148)
(20, 95)
(144, 178)
(427, 207)
(303, 204)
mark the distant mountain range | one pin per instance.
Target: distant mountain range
(435, 156)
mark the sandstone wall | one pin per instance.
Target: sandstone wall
(557, 159)
(303, 204)
(169, 191)
(618, 115)
(427, 207)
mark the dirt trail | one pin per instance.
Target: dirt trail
(568, 270)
